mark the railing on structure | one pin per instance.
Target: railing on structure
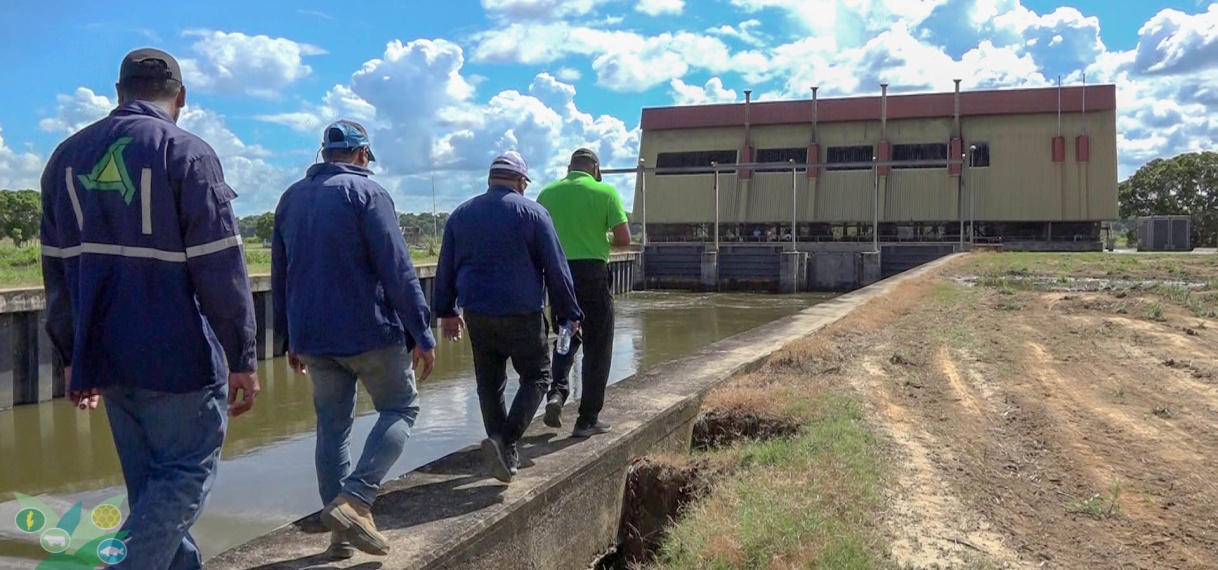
(31, 373)
(965, 161)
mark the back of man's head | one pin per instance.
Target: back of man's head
(149, 74)
(585, 160)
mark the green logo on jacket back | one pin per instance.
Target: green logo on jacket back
(110, 173)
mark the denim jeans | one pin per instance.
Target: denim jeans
(169, 446)
(387, 375)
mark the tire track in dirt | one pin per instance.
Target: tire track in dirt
(929, 525)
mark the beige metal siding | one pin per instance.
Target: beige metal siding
(770, 197)
(687, 198)
(845, 196)
(920, 195)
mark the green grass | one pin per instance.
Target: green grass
(808, 500)
(22, 266)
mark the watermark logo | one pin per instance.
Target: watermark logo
(78, 539)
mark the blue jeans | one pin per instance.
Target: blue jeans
(169, 446)
(387, 375)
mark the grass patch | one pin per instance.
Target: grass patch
(801, 502)
(1100, 505)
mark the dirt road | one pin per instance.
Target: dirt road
(1033, 428)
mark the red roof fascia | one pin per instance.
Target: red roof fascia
(914, 106)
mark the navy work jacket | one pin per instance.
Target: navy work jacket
(146, 283)
(499, 257)
(341, 276)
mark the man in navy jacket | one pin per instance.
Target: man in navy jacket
(499, 256)
(148, 301)
(347, 294)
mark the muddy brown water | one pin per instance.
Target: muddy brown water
(266, 478)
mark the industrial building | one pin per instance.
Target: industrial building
(1028, 169)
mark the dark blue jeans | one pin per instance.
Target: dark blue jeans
(169, 447)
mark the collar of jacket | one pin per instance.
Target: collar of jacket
(332, 168)
(141, 108)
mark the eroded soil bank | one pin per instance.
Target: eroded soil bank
(1017, 425)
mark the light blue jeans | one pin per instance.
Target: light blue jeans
(169, 447)
(387, 375)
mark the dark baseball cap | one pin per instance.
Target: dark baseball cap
(585, 153)
(149, 63)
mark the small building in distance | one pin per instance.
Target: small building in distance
(1039, 169)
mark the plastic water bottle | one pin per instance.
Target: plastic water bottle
(564, 339)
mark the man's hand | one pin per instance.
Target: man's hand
(247, 383)
(297, 364)
(574, 327)
(451, 327)
(428, 358)
(82, 399)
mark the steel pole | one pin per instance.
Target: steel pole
(960, 202)
(643, 191)
(716, 167)
(972, 196)
(794, 201)
(875, 204)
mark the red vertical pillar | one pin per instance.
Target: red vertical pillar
(746, 156)
(813, 158)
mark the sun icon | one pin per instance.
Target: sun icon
(106, 517)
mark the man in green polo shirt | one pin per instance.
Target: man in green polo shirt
(584, 211)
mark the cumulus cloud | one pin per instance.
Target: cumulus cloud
(1175, 42)
(569, 74)
(541, 9)
(660, 7)
(76, 111)
(426, 116)
(18, 170)
(233, 63)
(713, 92)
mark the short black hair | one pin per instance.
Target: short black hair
(506, 175)
(585, 163)
(339, 154)
(143, 89)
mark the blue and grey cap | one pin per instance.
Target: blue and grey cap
(346, 135)
(512, 162)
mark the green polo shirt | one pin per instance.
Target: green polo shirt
(584, 211)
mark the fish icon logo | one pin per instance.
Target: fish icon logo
(112, 551)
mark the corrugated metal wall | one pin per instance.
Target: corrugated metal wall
(1022, 183)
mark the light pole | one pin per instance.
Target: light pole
(794, 211)
(643, 191)
(875, 204)
(715, 166)
(960, 202)
(972, 195)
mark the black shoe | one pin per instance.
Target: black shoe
(496, 458)
(513, 459)
(554, 411)
(589, 430)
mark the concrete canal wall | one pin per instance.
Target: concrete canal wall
(30, 371)
(564, 508)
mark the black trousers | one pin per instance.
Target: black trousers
(495, 339)
(594, 293)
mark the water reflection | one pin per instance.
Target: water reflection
(266, 478)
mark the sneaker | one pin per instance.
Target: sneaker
(339, 549)
(589, 430)
(553, 411)
(349, 517)
(513, 459)
(496, 458)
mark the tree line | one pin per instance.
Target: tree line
(422, 227)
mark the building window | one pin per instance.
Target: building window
(783, 156)
(695, 159)
(981, 155)
(919, 152)
(848, 154)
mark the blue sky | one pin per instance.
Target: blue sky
(443, 86)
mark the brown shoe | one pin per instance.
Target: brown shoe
(351, 518)
(340, 548)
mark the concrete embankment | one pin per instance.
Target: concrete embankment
(564, 507)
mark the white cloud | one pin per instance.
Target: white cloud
(660, 7)
(427, 116)
(1175, 42)
(569, 74)
(713, 92)
(76, 111)
(747, 32)
(236, 63)
(18, 170)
